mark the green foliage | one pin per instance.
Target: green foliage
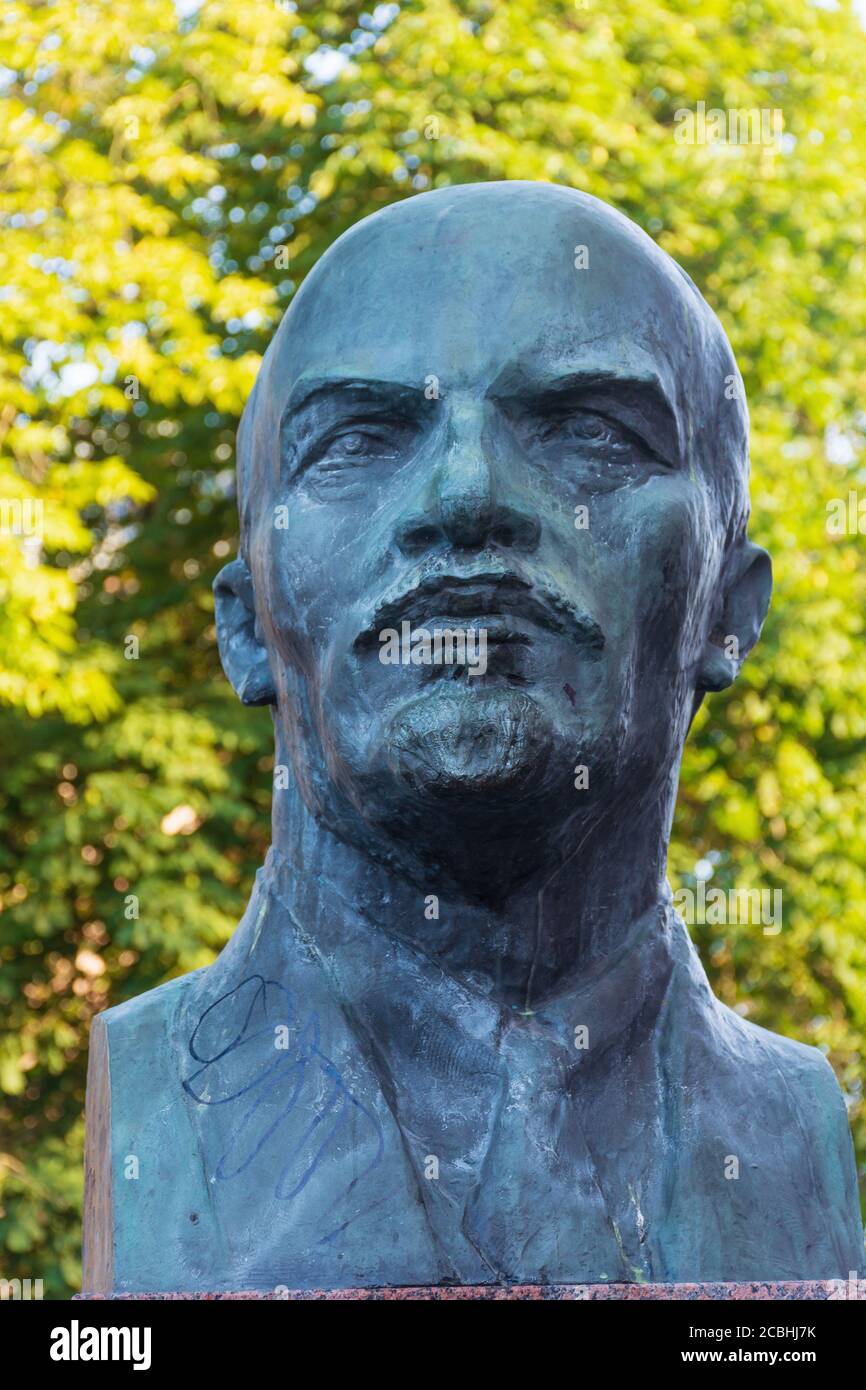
(151, 168)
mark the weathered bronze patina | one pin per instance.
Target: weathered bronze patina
(461, 1036)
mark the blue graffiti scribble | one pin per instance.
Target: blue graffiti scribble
(286, 1071)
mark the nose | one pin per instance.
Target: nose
(473, 501)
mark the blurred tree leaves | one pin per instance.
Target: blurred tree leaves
(168, 174)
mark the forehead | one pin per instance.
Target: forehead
(471, 284)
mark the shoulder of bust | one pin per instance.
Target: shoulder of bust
(151, 1010)
(791, 1072)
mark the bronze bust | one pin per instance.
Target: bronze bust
(461, 1035)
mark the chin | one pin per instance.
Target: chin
(478, 782)
(470, 747)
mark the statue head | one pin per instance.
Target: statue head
(493, 409)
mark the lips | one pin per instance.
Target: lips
(497, 627)
(484, 601)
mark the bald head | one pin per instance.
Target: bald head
(496, 287)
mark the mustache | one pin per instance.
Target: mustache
(489, 591)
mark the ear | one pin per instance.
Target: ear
(244, 658)
(748, 585)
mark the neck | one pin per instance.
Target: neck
(557, 930)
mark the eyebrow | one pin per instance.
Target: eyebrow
(306, 390)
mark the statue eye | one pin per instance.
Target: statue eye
(356, 444)
(353, 443)
(597, 436)
(584, 425)
(594, 427)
